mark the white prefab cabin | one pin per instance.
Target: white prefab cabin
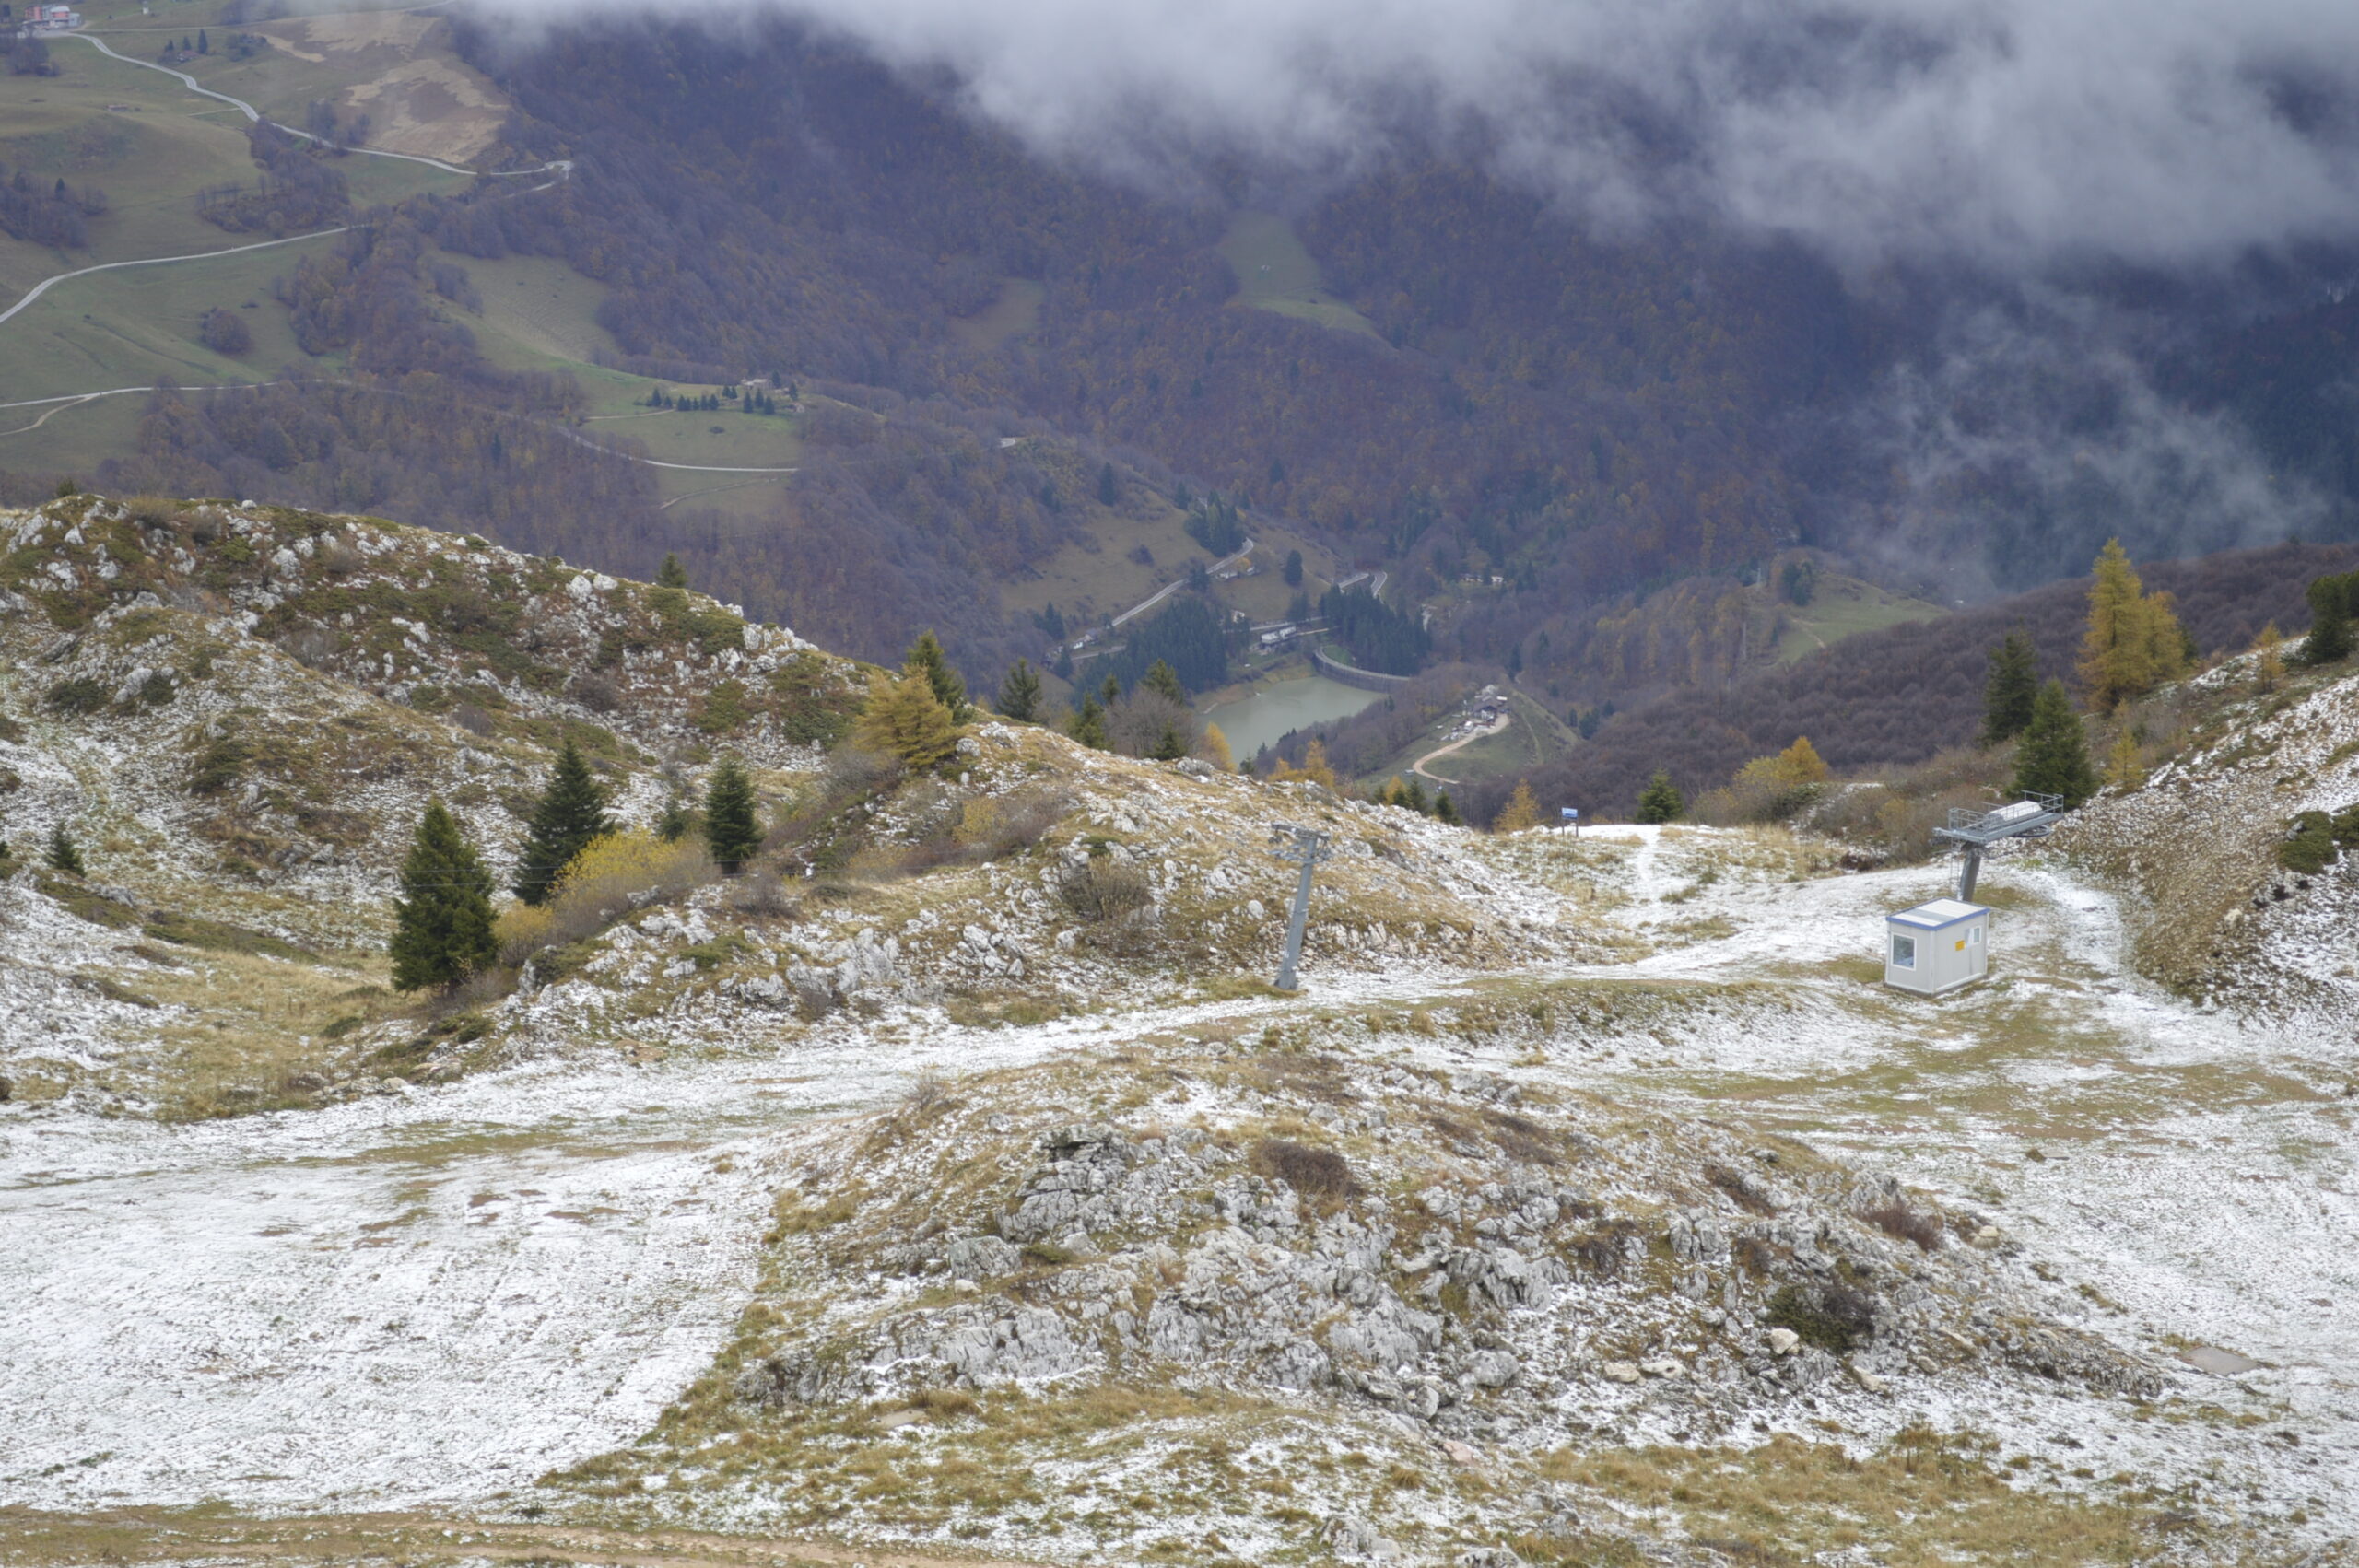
(1937, 947)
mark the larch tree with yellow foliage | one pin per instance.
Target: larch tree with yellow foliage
(1214, 747)
(2125, 769)
(904, 718)
(2133, 643)
(2269, 669)
(1521, 812)
(1315, 768)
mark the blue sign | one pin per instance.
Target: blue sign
(1570, 811)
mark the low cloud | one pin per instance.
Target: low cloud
(2032, 436)
(2005, 131)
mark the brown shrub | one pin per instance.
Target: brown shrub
(1901, 1222)
(1105, 892)
(1748, 1196)
(310, 647)
(1606, 1248)
(596, 693)
(764, 894)
(1314, 1172)
(1520, 1138)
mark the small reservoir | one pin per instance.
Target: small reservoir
(1269, 714)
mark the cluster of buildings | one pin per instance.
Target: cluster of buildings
(50, 18)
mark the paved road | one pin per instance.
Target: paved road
(45, 285)
(1418, 767)
(562, 166)
(1169, 589)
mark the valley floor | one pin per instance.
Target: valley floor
(426, 1299)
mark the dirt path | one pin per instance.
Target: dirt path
(152, 1534)
(1506, 722)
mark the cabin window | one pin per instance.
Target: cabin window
(1975, 936)
(1904, 952)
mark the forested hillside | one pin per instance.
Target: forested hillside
(1571, 445)
(1893, 699)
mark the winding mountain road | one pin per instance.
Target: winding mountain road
(1418, 767)
(562, 166)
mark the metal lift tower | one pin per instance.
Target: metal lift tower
(1973, 831)
(1308, 845)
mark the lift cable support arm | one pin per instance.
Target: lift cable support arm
(2034, 816)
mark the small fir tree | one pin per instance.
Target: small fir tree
(730, 829)
(2010, 689)
(571, 812)
(1660, 800)
(1413, 797)
(1293, 573)
(1109, 490)
(1169, 746)
(903, 719)
(1111, 692)
(671, 574)
(442, 923)
(1521, 812)
(1019, 693)
(1445, 808)
(926, 658)
(1161, 677)
(1088, 724)
(2054, 756)
(64, 855)
(672, 823)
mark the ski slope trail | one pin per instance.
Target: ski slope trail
(428, 1299)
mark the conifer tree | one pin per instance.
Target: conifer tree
(671, 574)
(1445, 808)
(2330, 637)
(730, 829)
(1660, 800)
(1019, 693)
(571, 812)
(2269, 668)
(1521, 812)
(64, 855)
(1293, 572)
(675, 822)
(1161, 677)
(1109, 490)
(903, 719)
(1413, 797)
(1112, 691)
(2054, 756)
(2012, 688)
(1089, 724)
(926, 658)
(2133, 642)
(1168, 746)
(442, 924)
(2124, 770)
